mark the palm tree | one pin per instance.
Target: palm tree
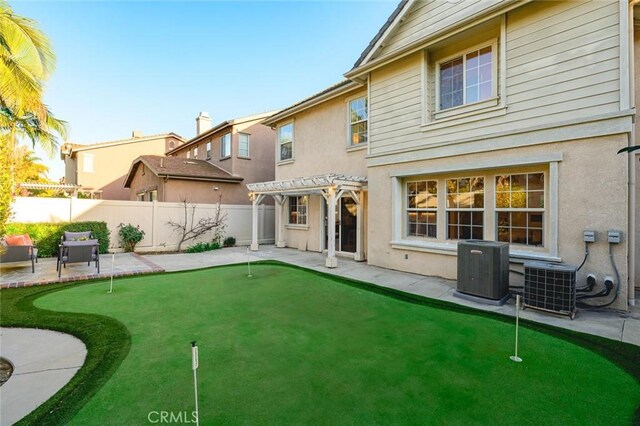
(26, 62)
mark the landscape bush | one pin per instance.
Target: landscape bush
(130, 236)
(47, 235)
(229, 242)
(200, 247)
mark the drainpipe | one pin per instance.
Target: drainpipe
(633, 248)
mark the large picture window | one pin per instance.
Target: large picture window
(225, 145)
(422, 208)
(466, 79)
(465, 208)
(298, 210)
(358, 121)
(520, 208)
(285, 141)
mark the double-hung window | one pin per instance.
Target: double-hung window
(298, 210)
(195, 151)
(243, 145)
(466, 79)
(208, 150)
(188, 154)
(285, 141)
(225, 145)
(422, 208)
(465, 208)
(358, 121)
(520, 208)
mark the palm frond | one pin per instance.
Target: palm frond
(629, 149)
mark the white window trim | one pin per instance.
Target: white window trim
(88, 163)
(207, 150)
(195, 152)
(279, 160)
(351, 146)
(427, 209)
(248, 135)
(494, 78)
(222, 156)
(448, 209)
(306, 215)
(517, 253)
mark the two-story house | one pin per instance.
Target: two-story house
(216, 163)
(494, 120)
(100, 169)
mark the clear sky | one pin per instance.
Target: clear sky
(154, 65)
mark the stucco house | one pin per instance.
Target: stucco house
(217, 162)
(100, 169)
(494, 120)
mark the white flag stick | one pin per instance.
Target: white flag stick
(194, 366)
(515, 357)
(248, 262)
(113, 261)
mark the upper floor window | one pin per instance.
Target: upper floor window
(467, 78)
(243, 145)
(298, 210)
(225, 145)
(87, 163)
(358, 121)
(520, 208)
(285, 141)
(195, 151)
(208, 150)
(188, 154)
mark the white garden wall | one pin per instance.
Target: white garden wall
(152, 217)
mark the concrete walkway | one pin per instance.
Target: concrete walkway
(43, 362)
(613, 325)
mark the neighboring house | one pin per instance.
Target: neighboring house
(485, 119)
(100, 169)
(217, 162)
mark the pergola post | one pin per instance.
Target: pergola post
(280, 218)
(254, 221)
(331, 261)
(358, 256)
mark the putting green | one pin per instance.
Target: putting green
(290, 346)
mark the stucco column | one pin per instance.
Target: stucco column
(359, 255)
(254, 222)
(331, 261)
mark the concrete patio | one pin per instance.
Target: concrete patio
(622, 326)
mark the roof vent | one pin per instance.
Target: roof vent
(136, 134)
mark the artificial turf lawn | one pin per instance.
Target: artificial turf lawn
(290, 346)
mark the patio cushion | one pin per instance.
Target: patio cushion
(77, 236)
(18, 240)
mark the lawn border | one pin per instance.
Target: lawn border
(104, 357)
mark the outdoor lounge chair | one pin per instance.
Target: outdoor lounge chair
(78, 247)
(19, 254)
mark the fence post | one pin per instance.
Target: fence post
(154, 224)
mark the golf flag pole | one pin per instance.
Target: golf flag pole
(515, 357)
(194, 366)
(248, 262)
(113, 261)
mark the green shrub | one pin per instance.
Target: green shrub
(47, 235)
(130, 236)
(200, 247)
(229, 242)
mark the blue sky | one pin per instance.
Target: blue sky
(153, 65)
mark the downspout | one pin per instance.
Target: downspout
(631, 238)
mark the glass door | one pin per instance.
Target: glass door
(345, 230)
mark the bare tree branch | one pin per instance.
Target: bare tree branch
(194, 230)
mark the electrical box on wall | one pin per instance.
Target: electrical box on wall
(614, 237)
(589, 236)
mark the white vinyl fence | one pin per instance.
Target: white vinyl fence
(152, 217)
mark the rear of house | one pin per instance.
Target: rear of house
(494, 120)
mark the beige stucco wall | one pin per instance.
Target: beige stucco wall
(320, 142)
(111, 165)
(176, 190)
(591, 193)
(145, 181)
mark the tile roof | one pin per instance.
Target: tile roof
(176, 167)
(69, 146)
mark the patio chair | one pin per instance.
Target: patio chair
(76, 247)
(9, 254)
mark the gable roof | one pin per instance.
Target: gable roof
(221, 126)
(180, 168)
(382, 32)
(69, 148)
